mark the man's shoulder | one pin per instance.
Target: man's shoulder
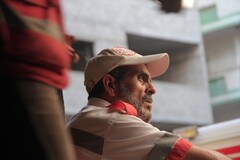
(99, 114)
(102, 117)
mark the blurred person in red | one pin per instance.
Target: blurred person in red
(34, 61)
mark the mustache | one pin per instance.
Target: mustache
(147, 98)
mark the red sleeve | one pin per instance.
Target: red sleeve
(179, 149)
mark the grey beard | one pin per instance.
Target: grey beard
(125, 94)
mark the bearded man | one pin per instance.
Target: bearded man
(115, 123)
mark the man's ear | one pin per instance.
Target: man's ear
(109, 84)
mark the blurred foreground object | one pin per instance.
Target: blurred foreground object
(34, 66)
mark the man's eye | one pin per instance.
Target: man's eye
(141, 77)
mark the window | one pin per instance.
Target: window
(86, 51)
(217, 87)
(208, 15)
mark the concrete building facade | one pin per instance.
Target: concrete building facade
(182, 96)
(220, 22)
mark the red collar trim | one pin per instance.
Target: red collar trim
(124, 107)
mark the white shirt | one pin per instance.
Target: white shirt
(101, 133)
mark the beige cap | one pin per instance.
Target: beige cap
(110, 58)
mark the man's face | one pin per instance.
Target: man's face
(137, 89)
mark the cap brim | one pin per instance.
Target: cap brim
(157, 64)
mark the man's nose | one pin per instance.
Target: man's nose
(151, 90)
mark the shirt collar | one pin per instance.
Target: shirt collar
(119, 105)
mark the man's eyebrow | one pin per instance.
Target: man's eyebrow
(143, 72)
